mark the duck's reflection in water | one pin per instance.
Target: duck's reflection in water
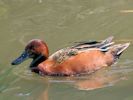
(44, 95)
(100, 79)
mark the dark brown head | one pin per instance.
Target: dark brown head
(35, 49)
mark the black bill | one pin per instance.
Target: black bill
(20, 59)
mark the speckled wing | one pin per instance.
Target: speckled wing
(63, 54)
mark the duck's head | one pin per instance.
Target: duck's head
(35, 49)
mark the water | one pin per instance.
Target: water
(60, 23)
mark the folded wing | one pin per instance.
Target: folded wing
(63, 54)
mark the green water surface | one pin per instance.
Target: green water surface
(60, 23)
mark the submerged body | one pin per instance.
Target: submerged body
(84, 57)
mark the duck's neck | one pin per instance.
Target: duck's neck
(37, 60)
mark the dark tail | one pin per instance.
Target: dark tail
(116, 50)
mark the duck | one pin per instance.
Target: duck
(81, 57)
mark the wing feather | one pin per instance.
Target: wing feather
(63, 54)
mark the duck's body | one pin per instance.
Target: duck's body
(88, 61)
(80, 58)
